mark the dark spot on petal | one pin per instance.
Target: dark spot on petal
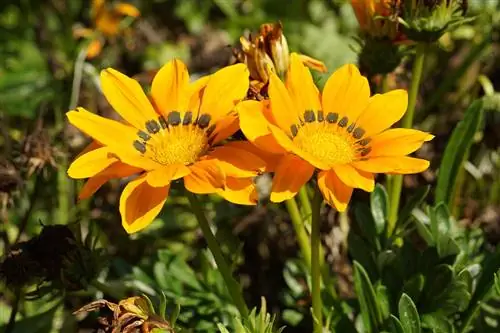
(358, 133)
(350, 128)
(343, 122)
(211, 129)
(143, 135)
(174, 118)
(188, 118)
(152, 126)
(364, 141)
(321, 116)
(204, 121)
(162, 122)
(309, 116)
(332, 117)
(366, 151)
(141, 147)
(294, 129)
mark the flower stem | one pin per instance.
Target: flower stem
(231, 284)
(305, 202)
(407, 122)
(13, 312)
(300, 231)
(316, 262)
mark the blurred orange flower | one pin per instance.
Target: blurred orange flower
(379, 18)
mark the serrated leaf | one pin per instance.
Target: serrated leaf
(408, 315)
(378, 207)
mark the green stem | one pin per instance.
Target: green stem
(300, 231)
(231, 284)
(407, 122)
(317, 307)
(305, 202)
(13, 313)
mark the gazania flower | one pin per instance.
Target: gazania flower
(177, 136)
(342, 134)
(269, 50)
(106, 19)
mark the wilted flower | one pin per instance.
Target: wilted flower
(10, 180)
(269, 50)
(129, 315)
(341, 135)
(378, 18)
(106, 19)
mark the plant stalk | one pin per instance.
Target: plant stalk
(300, 231)
(317, 307)
(231, 284)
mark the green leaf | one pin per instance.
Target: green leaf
(366, 224)
(415, 200)
(456, 151)
(437, 322)
(414, 286)
(370, 310)
(383, 300)
(408, 314)
(378, 206)
(395, 325)
(422, 228)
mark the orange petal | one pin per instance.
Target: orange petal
(196, 91)
(91, 163)
(235, 160)
(97, 7)
(285, 113)
(301, 87)
(224, 90)
(91, 186)
(313, 63)
(94, 48)
(140, 203)
(398, 141)
(79, 32)
(354, 178)
(224, 128)
(170, 88)
(336, 193)
(205, 177)
(392, 164)
(346, 93)
(127, 9)
(163, 176)
(291, 174)
(271, 160)
(127, 98)
(254, 125)
(240, 191)
(383, 111)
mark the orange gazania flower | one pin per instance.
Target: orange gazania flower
(106, 20)
(342, 134)
(378, 18)
(176, 136)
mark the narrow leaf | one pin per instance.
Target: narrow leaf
(370, 310)
(378, 205)
(408, 315)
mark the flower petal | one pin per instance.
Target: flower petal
(91, 186)
(285, 113)
(336, 193)
(313, 63)
(127, 9)
(224, 90)
(163, 176)
(224, 128)
(392, 164)
(291, 174)
(240, 191)
(170, 88)
(235, 159)
(127, 98)
(301, 87)
(354, 178)
(140, 203)
(91, 163)
(205, 177)
(346, 93)
(398, 141)
(383, 111)
(94, 48)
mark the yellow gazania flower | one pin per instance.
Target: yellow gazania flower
(176, 136)
(370, 14)
(342, 134)
(106, 20)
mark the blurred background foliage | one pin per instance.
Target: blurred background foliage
(440, 266)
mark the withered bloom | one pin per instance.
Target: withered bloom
(268, 50)
(130, 315)
(10, 180)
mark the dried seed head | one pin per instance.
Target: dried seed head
(36, 152)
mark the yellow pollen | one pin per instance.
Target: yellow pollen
(323, 142)
(178, 145)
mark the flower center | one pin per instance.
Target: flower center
(173, 140)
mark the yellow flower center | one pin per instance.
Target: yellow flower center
(173, 140)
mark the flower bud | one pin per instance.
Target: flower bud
(378, 18)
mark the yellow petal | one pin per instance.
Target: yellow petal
(205, 177)
(290, 175)
(170, 88)
(91, 163)
(346, 93)
(224, 128)
(383, 111)
(313, 63)
(235, 160)
(240, 191)
(79, 32)
(392, 164)
(354, 178)
(301, 87)
(127, 9)
(140, 203)
(94, 48)
(163, 176)
(127, 98)
(335, 192)
(196, 91)
(97, 7)
(224, 90)
(398, 141)
(285, 113)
